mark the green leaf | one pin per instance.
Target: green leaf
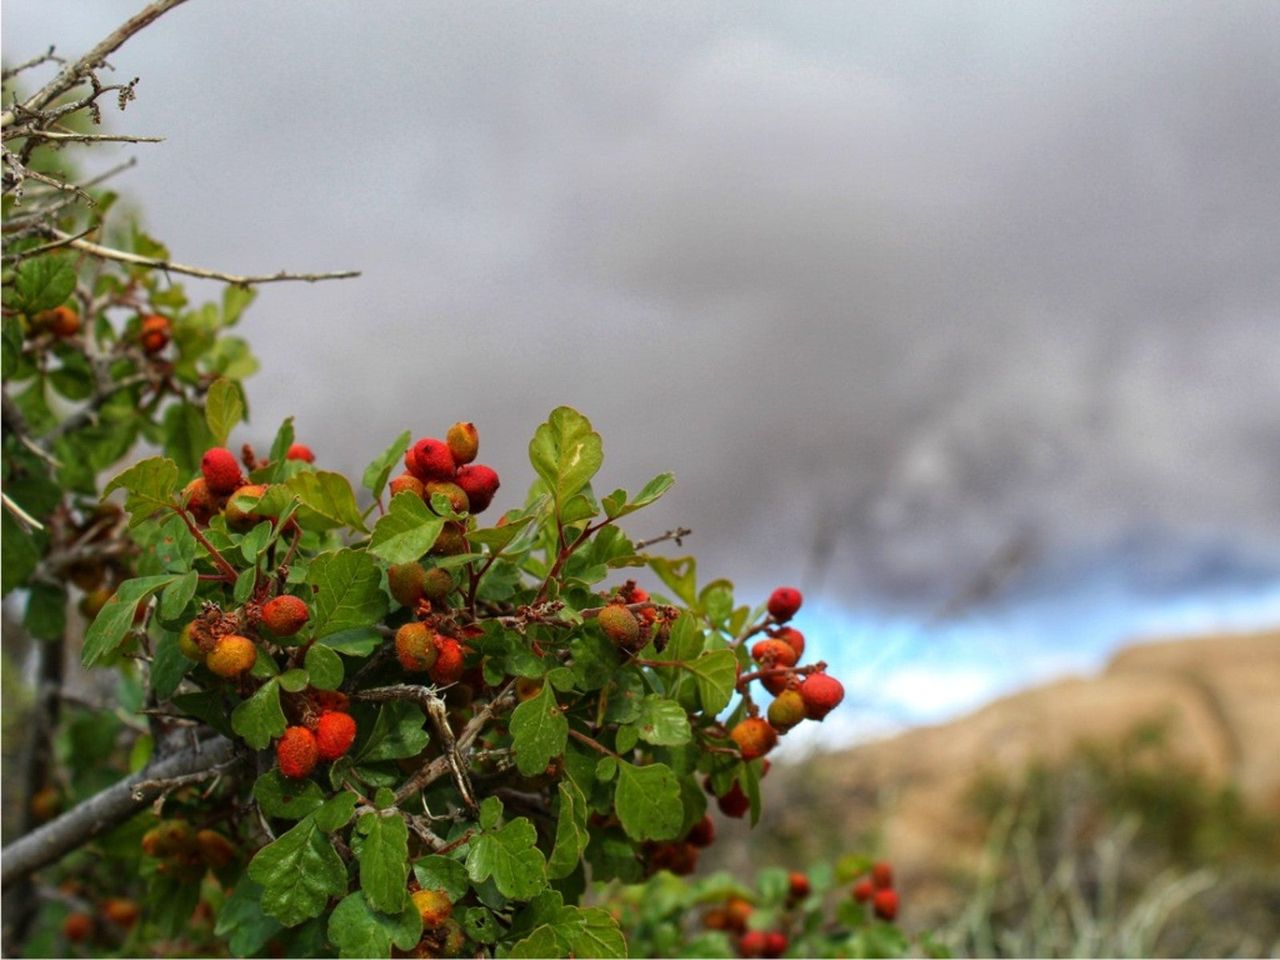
(441, 873)
(406, 531)
(542, 942)
(651, 492)
(113, 621)
(335, 813)
(384, 860)
(176, 596)
(168, 668)
(566, 452)
(241, 920)
(328, 499)
(357, 930)
(324, 667)
(539, 731)
(21, 553)
(293, 680)
(44, 282)
(680, 574)
(278, 796)
(571, 832)
(149, 485)
(279, 451)
(663, 722)
(490, 813)
(185, 436)
(354, 641)
(574, 932)
(223, 409)
(377, 473)
(348, 591)
(480, 926)
(398, 732)
(496, 538)
(511, 857)
(235, 300)
(259, 719)
(687, 639)
(299, 873)
(648, 801)
(715, 673)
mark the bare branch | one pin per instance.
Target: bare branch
(677, 535)
(46, 57)
(71, 75)
(24, 518)
(155, 263)
(103, 811)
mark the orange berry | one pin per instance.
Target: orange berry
(285, 615)
(156, 331)
(415, 647)
(231, 656)
(334, 735)
(434, 906)
(77, 926)
(754, 737)
(463, 442)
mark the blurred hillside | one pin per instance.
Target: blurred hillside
(1149, 787)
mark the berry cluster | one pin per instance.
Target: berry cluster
(184, 852)
(734, 915)
(444, 468)
(877, 889)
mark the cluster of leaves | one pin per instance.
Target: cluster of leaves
(720, 915)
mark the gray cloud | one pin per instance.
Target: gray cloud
(905, 280)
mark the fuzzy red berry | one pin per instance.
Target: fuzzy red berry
(297, 753)
(156, 331)
(334, 735)
(221, 471)
(754, 737)
(784, 602)
(821, 693)
(885, 904)
(863, 891)
(480, 483)
(774, 653)
(416, 647)
(702, 833)
(300, 451)
(77, 926)
(463, 442)
(285, 615)
(735, 803)
(619, 625)
(793, 638)
(431, 460)
(882, 875)
(752, 943)
(775, 944)
(449, 663)
(799, 885)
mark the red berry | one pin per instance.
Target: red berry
(784, 602)
(885, 904)
(862, 891)
(432, 460)
(821, 694)
(735, 803)
(77, 926)
(156, 331)
(300, 451)
(334, 735)
(448, 666)
(775, 943)
(754, 737)
(882, 876)
(285, 615)
(702, 833)
(774, 653)
(799, 885)
(480, 484)
(221, 471)
(793, 637)
(297, 753)
(752, 943)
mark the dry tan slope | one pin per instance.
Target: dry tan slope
(1218, 696)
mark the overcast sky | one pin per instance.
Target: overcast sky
(891, 287)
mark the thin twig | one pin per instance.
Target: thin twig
(677, 535)
(168, 266)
